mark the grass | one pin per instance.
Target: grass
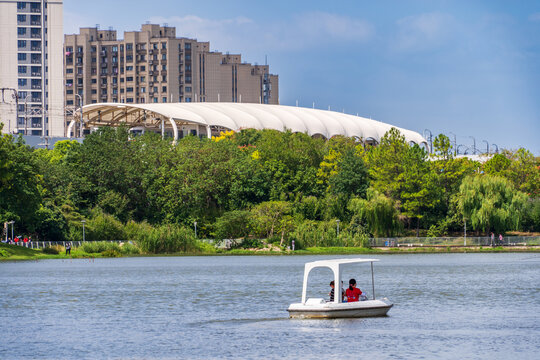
(13, 252)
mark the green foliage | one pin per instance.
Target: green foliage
(232, 224)
(491, 202)
(96, 247)
(167, 239)
(50, 250)
(351, 178)
(378, 212)
(104, 227)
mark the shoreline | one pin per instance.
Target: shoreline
(24, 254)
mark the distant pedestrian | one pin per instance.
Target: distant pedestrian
(68, 248)
(492, 238)
(500, 239)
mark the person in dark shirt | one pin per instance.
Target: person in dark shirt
(331, 294)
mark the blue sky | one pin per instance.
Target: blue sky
(471, 68)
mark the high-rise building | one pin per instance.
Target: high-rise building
(31, 67)
(154, 66)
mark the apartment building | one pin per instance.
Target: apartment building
(154, 66)
(31, 67)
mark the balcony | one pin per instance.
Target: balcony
(35, 48)
(36, 36)
(36, 23)
(36, 73)
(36, 87)
(35, 10)
(35, 61)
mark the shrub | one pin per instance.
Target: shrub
(129, 249)
(50, 250)
(111, 253)
(167, 239)
(94, 247)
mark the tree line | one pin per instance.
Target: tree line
(252, 184)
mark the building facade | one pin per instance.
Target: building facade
(154, 66)
(31, 67)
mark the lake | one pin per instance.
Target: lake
(446, 306)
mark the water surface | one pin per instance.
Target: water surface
(446, 306)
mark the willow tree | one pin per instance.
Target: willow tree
(491, 202)
(378, 212)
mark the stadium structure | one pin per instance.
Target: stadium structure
(207, 119)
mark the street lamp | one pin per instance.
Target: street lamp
(474, 144)
(487, 146)
(26, 114)
(83, 235)
(12, 222)
(80, 108)
(195, 224)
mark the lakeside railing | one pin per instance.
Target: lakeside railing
(374, 242)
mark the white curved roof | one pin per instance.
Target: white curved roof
(238, 116)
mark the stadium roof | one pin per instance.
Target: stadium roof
(238, 116)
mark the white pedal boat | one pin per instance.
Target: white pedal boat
(320, 308)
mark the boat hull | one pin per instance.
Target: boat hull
(371, 308)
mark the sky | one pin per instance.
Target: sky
(467, 69)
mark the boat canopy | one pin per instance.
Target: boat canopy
(335, 266)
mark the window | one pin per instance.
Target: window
(188, 57)
(22, 69)
(164, 57)
(69, 71)
(21, 5)
(94, 91)
(163, 89)
(164, 99)
(22, 82)
(129, 68)
(21, 43)
(143, 68)
(115, 80)
(122, 47)
(154, 46)
(80, 81)
(115, 91)
(163, 67)
(115, 59)
(164, 78)
(35, 6)
(155, 89)
(21, 56)
(129, 46)
(129, 100)
(188, 67)
(143, 89)
(143, 79)
(80, 49)
(129, 58)
(21, 18)
(21, 30)
(94, 59)
(94, 81)
(104, 81)
(69, 102)
(79, 71)
(69, 50)
(129, 89)
(188, 99)
(163, 45)
(188, 88)
(93, 49)
(142, 58)
(129, 78)
(155, 100)
(35, 19)
(188, 79)
(188, 46)
(115, 48)
(69, 92)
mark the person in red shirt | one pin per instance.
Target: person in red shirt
(353, 293)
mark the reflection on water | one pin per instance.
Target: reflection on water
(446, 306)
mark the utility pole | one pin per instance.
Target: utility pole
(16, 97)
(80, 108)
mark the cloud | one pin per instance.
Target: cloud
(299, 32)
(424, 31)
(535, 17)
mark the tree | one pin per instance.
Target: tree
(268, 217)
(491, 202)
(386, 164)
(378, 212)
(351, 178)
